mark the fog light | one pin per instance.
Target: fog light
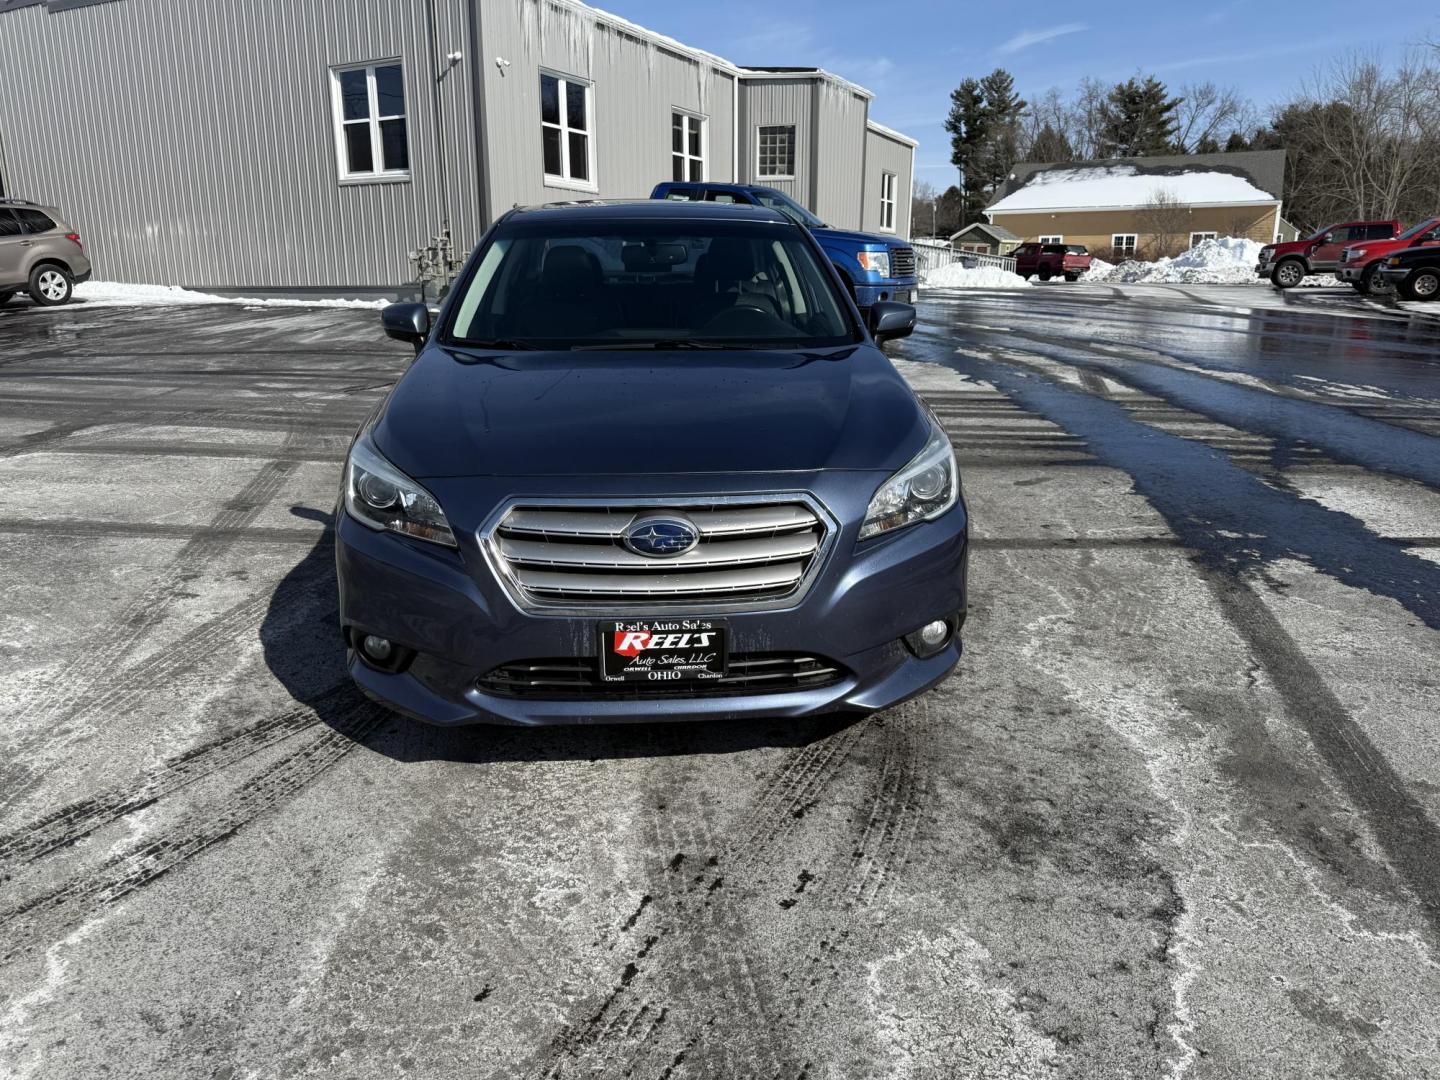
(932, 638)
(377, 648)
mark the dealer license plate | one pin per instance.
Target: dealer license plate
(663, 650)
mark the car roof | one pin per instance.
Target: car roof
(648, 210)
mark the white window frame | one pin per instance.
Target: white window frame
(703, 122)
(1131, 248)
(794, 141)
(1203, 236)
(377, 148)
(888, 184)
(1052, 239)
(567, 181)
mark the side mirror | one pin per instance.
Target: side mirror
(407, 322)
(890, 320)
(1328, 238)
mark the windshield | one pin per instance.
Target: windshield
(664, 285)
(1416, 230)
(789, 207)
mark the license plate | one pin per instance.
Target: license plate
(663, 650)
(907, 297)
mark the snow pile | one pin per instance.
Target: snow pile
(1229, 260)
(956, 276)
(1110, 187)
(122, 294)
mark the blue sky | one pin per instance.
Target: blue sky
(912, 54)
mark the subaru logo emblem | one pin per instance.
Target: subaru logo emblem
(661, 537)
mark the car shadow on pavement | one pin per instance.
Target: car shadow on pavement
(303, 648)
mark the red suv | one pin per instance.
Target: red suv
(1360, 263)
(1051, 260)
(1286, 265)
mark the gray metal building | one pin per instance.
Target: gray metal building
(265, 145)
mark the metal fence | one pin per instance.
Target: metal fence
(930, 258)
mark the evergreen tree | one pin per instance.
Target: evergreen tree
(1003, 110)
(1236, 143)
(1138, 119)
(1207, 145)
(1051, 145)
(968, 128)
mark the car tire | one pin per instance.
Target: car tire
(1045, 274)
(1026, 276)
(1422, 285)
(51, 285)
(1287, 274)
(1371, 284)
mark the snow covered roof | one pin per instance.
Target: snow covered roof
(1125, 187)
(891, 133)
(751, 72)
(995, 232)
(634, 29)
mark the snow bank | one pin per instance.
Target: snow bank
(122, 294)
(1227, 261)
(956, 276)
(1111, 187)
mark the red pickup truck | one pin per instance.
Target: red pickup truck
(1051, 260)
(1288, 264)
(1360, 263)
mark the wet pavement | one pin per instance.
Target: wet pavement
(1175, 815)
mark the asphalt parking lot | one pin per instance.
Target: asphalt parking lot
(1175, 815)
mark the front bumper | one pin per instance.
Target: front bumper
(900, 290)
(448, 607)
(1350, 273)
(1394, 274)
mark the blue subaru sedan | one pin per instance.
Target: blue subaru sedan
(649, 464)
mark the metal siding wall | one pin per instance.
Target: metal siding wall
(637, 84)
(884, 154)
(780, 101)
(202, 150)
(839, 173)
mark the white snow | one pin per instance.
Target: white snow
(1229, 260)
(123, 294)
(1124, 186)
(956, 276)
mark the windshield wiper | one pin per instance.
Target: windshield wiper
(498, 343)
(664, 343)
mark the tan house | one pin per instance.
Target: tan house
(985, 239)
(1145, 207)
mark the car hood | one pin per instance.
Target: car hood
(856, 238)
(595, 413)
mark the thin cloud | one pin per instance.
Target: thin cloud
(1027, 38)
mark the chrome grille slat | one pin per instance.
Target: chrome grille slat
(750, 579)
(902, 261)
(751, 552)
(613, 557)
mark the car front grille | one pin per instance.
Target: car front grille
(749, 555)
(579, 677)
(902, 262)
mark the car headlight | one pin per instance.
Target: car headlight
(1354, 253)
(877, 262)
(379, 495)
(922, 490)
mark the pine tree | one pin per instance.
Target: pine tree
(1051, 145)
(1003, 108)
(968, 128)
(1236, 142)
(1138, 119)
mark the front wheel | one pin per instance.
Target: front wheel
(1372, 284)
(1288, 274)
(1045, 273)
(1424, 285)
(50, 285)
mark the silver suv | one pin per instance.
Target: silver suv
(39, 254)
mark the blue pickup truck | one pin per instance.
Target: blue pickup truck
(874, 267)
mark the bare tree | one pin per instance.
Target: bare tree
(1165, 222)
(924, 209)
(1208, 114)
(1087, 118)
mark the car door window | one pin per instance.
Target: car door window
(720, 196)
(9, 224)
(33, 220)
(1379, 232)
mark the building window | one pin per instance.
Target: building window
(887, 201)
(1201, 237)
(775, 153)
(1122, 245)
(370, 132)
(566, 131)
(1052, 239)
(687, 146)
